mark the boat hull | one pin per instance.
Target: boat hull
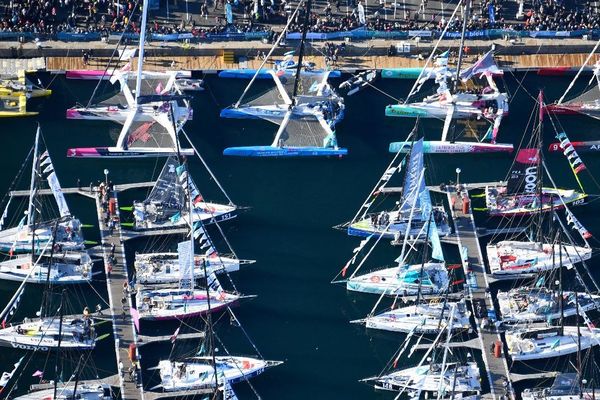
(116, 152)
(590, 146)
(440, 147)
(272, 151)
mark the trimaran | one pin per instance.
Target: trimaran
(305, 107)
(449, 103)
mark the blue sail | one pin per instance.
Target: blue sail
(413, 182)
(427, 215)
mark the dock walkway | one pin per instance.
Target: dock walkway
(120, 311)
(474, 269)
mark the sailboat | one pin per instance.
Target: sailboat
(586, 103)
(21, 86)
(426, 318)
(535, 343)
(452, 378)
(165, 205)
(152, 268)
(62, 231)
(395, 223)
(533, 304)
(199, 372)
(407, 279)
(521, 195)
(305, 107)
(66, 268)
(448, 103)
(566, 386)
(444, 378)
(151, 117)
(513, 259)
(83, 391)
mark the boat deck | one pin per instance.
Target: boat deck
(467, 237)
(123, 325)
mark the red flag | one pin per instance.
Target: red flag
(174, 336)
(345, 269)
(159, 88)
(4, 323)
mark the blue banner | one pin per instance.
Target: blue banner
(77, 37)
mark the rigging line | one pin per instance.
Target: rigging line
(206, 166)
(290, 19)
(412, 90)
(97, 293)
(593, 178)
(113, 54)
(239, 325)
(520, 82)
(244, 375)
(587, 60)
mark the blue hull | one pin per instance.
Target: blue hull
(236, 114)
(366, 233)
(270, 151)
(263, 74)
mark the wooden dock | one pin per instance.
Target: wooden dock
(474, 269)
(116, 277)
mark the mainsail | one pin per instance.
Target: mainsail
(523, 176)
(413, 183)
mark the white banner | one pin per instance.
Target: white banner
(186, 264)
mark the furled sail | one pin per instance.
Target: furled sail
(432, 233)
(48, 168)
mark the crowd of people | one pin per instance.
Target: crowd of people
(106, 16)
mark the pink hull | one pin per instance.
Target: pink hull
(87, 74)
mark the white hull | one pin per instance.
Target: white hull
(69, 237)
(549, 345)
(540, 305)
(423, 318)
(153, 268)
(165, 304)
(84, 391)
(402, 280)
(511, 258)
(431, 379)
(199, 372)
(61, 273)
(42, 335)
(149, 216)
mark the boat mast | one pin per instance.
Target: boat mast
(540, 173)
(466, 11)
(32, 185)
(579, 380)
(301, 54)
(138, 80)
(560, 285)
(62, 297)
(46, 301)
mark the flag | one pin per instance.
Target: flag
(126, 68)
(572, 220)
(485, 65)
(127, 54)
(5, 378)
(135, 315)
(441, 60)
(576, 163)
(346, 268)
(38, 374)
(159, 88)
(174, 336)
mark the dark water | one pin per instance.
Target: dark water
(298, 316)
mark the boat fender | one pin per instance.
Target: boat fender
(375, 279)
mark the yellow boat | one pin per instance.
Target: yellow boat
(14, 106)
(21, 86)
